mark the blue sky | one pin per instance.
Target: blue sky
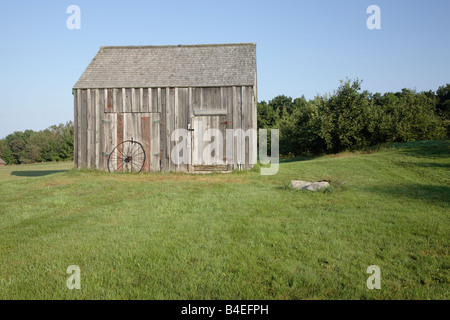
(303, 47)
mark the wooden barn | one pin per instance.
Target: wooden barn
(141, 94)
(2, 163)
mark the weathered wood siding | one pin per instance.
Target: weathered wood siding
(105, 117)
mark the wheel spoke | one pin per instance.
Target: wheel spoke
(121, 166)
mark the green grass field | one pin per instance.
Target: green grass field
(232, 236)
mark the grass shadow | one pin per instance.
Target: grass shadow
(432, 165)
(35, 173)
(433, 193)
(297, 159)
(424, 149)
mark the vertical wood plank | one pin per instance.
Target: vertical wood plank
(170, 102)
(75, 128)
(102, 109)
(124, 100)
(128, 106)
(88, 129)
(228, 105)
(136, 100)
(110, 100)
(244, 125)
(93, 129)
(182, 123)
(247, 98)
(155, 153)
(216, 103)
(175, 120)
(118, 102)
(145, 100)
(141, 100)
(106, 139)
(83, 144)
(98, 139)
(119, 137)
(236, 123)
(114, 129)
(196, 98)
(136, 127)
(107, 142)
(197, 144)
(111, 129)
(130, 127)
(146, 141)
(114, 98)
(254, 125)
(189, 118)
(206, 98)
(156, 93)
(162, 106)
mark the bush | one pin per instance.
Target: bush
(353, 120)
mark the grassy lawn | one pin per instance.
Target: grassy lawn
(232, 236)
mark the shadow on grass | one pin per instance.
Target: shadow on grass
(422, 164)
(433, 193)
(297, 159)
(425, 149)
(35, 173)
(432, 165)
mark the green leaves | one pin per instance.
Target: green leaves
(52, 144)
(351, 119)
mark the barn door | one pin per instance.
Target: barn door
(208, 143)
(142, 127)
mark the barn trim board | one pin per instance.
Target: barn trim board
(146, 92)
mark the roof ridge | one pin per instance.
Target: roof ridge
(180, 45)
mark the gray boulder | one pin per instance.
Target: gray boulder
(311, 186)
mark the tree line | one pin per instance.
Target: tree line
(350, 119)
(52, 144)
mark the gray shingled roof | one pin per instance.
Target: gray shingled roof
(171, 66)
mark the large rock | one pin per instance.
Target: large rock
(306, 185)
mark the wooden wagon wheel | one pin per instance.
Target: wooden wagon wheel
(128, 156)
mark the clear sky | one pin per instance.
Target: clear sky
(303, 47)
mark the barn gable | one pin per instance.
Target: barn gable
(146, 93)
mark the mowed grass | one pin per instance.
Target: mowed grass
(232, 236)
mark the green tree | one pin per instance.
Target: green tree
(443, 105)
(267, 116)
(5, 152)
(345, 118)
(282, 105)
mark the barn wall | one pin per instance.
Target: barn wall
(105, 117)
